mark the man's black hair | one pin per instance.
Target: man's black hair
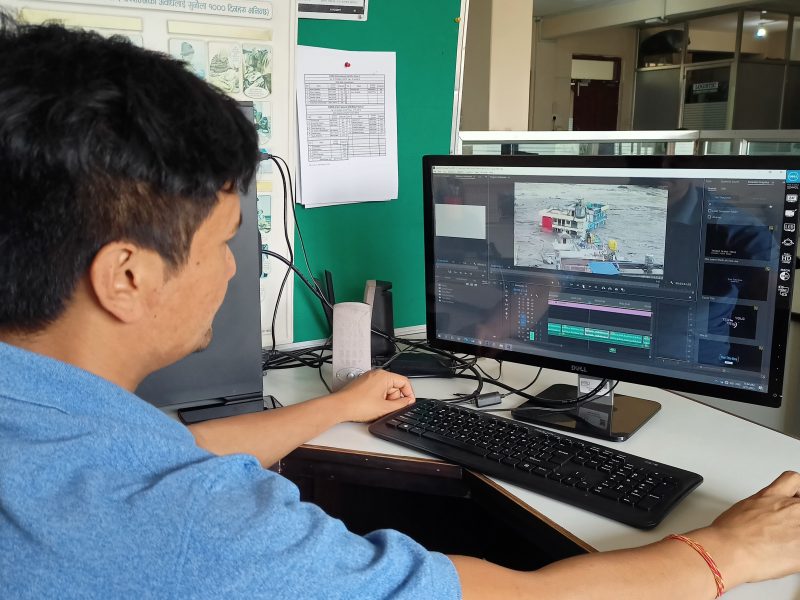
(102, 141)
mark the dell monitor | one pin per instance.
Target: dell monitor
(669, 271)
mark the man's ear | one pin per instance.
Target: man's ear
(125, 279)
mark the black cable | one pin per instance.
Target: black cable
(281, 359)
(535, 379)
(293, 204)
(288, 200)
(302, 277)
(546, 403)
(266, 156)
(490, 377)
(513, 392)
(306, 359)
(572, 406)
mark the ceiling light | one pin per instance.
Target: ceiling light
(761, 32)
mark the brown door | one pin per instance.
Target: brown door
(595, 102)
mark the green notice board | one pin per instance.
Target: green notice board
(384, 240)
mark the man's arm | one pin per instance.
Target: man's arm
(756, 539)
(272, 434)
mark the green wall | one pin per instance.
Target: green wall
(384, 240)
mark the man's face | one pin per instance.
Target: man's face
(187, 302)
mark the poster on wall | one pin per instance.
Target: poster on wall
(193, 52)
(253, 9)
(243, 47)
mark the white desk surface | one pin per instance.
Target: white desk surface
(735, 457)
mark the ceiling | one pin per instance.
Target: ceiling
(752, 19)
(545, 8)
(549, 8)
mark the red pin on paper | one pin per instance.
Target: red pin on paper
(347, 65)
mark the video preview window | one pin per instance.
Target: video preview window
(604, 229)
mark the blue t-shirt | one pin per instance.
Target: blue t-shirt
(102, 495)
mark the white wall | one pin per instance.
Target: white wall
(718, 41)
(497, 66)
(772, 47)
(509, 72)
(477, 64)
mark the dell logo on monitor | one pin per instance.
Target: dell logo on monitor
(579, 369)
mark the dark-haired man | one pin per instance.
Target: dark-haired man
(115, 212)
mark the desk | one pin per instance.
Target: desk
(735, 457)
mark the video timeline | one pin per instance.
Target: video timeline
(599, 329)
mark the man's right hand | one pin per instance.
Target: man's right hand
(758, 538)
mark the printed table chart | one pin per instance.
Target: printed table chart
(345, 116)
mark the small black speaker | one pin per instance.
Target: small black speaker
(378, 294)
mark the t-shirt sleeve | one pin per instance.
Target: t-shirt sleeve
(251, 536)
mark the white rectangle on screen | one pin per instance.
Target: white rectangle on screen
(461, 221)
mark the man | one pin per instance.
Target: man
(115, 212)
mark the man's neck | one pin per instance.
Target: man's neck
(106, 357)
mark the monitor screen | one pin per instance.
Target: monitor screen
(674, 271)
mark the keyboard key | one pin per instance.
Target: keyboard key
(607, 492)
(662, 490)
(451, 442)
(648, 503)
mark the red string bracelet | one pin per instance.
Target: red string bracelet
(720, 583)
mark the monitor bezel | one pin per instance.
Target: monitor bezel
(772, 397)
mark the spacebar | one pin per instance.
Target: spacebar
(454, 443)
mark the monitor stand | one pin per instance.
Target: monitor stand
(615, 418)
(226, 407)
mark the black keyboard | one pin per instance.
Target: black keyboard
(620, 486)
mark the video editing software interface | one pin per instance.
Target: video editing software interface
(674, 272)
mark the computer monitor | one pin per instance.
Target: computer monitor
(669, 271)
(226, 378)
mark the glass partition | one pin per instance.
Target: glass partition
(661, 46)
(795, 52)
(573, 143)
(712, 38)
(764, 35)
(626, 143)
